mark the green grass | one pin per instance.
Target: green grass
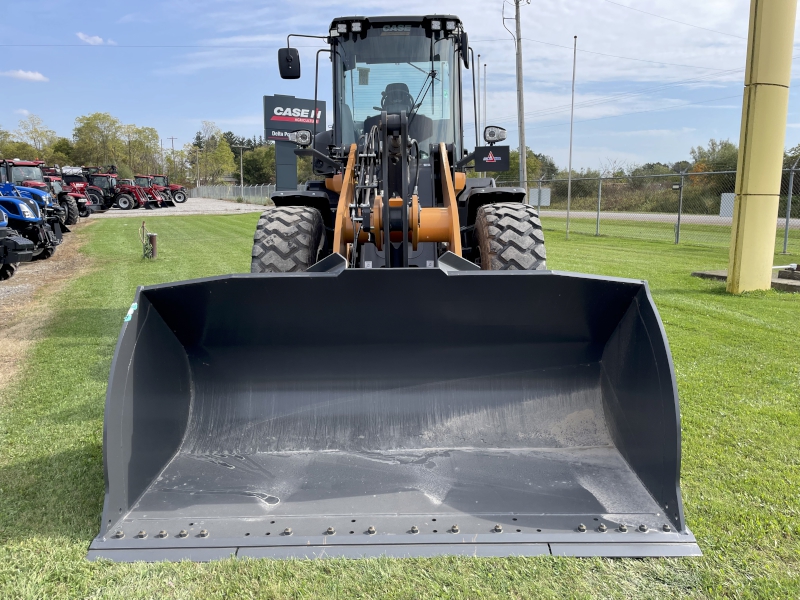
(691, 233)
(738, 370)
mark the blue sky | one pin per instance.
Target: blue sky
(648, 88)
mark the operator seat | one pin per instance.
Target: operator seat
(394, 99)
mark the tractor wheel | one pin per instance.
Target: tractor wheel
(287, 239)
(509, 236)
(179, 197)
(84, 212)
(125, 202)
(71, 207)
(7, 270)
(97, 200)
(44, 253)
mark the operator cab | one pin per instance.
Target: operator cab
(396, 64)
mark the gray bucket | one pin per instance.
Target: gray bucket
(403, 412)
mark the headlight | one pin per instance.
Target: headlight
(450, 25)
(26, 212)
(436, 25)
(355, 27)
(341, 27)
(301, 138)
(493, 134)
(47, 198)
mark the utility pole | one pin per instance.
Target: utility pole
(241, 168)
(523, 149)
(172, 139)
(571, 120)
(197, 160)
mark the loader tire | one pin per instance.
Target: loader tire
(179, 197)
(7, 270)
(509, 236)
(287, 239)
(71, 207)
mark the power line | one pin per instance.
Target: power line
(674, 21)
(146, 46)
(619, 96)
(655, 62)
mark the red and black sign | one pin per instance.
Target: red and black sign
(491, 158)
(283, 114)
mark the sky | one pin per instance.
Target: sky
(653, 79)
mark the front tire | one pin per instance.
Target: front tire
(125, 202)
(509, 236)
(44, 253)
(7, 270)
(179, 197)
(287, 239)
(70, 206)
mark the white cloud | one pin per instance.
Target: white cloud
(25, 75)
(132, 18)
(95, 40)
(22, 111)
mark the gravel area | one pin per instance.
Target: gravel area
(193, 206)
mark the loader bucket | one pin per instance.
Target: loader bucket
(402, 412)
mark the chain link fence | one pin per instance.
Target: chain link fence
(694, 208)
(251, 194)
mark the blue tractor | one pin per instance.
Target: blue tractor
(14, 249)
(32, 218)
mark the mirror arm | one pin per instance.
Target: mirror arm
(314, 153)
(316, 84)
(291, 35)
(466, 160)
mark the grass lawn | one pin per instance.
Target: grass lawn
(738, 367)
(691, 233)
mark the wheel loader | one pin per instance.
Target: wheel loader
(400, 374)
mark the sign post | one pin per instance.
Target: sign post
(283, 115)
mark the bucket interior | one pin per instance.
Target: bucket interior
(536, 402)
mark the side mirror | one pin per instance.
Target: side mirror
(465, 49)
(289, 63)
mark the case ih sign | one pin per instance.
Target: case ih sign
(283, 114)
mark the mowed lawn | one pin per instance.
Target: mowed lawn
(738, 367)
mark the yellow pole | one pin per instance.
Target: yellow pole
(761, 141)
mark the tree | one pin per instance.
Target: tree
(97, 139)
(33, 131)
(718, 156)
(258, 165)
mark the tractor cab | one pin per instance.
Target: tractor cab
(27, 173)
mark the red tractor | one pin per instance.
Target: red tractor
(74, 177)
(154, 191)
(72, 198)
(120, 193)
(178, 192)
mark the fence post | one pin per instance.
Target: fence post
(680, 210)
(789, 208)
(539, 198)
(599, 196)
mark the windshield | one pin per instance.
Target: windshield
(391, 72)
(101, 182)
(143, 181)
(20, 174)
(57, 187)
(74, 178)
(162, 181)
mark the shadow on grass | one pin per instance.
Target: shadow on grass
(57, 495)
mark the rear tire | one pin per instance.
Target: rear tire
(7, 270)
(97, 200)
(179, 197)
(287, 239)
(69, 204)
(509, 236)
(125, 202)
